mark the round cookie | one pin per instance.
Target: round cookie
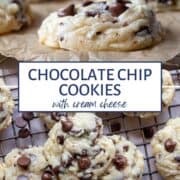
(14, 15)
(166, 149)
(85, 121)
(168, 91)
(80, 157)
(25, 164)
(6, 106)
(102, 25)
(128, 162)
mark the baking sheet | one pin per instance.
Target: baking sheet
(24, 45)
(115, 123)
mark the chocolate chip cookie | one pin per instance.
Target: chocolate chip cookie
(128, 162)
(168, 91)
(103, 25)
(28, 164)
(80, 157)
(14, 15)
(6, 106)
(166, 149)
(83, 121)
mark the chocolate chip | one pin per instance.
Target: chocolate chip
(56, 116)
(177, 158)
(61, 38)
(1, 107)
(98, 33)
(68, 11)
(20, 122)
(67, 125)
(22, 177)
(92, 13)
(115, 127)
(84, 163)
(144, 31)
(87, 3)
(27, 116)
(24, 162)
(169, 145)
(24, 133)
(60, 140)
(56, 170)
(125, 148)
(114, 21)
(47, 176)
(120, 162)
(117, 9)
(148, 132)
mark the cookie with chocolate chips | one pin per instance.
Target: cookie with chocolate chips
(6, 106)
(166, 149)
(127, 163)
(168, 91)
(80, 157)
(27, 164)
(102, 25)
(14, 15)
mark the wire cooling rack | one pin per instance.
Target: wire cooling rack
(115, 123)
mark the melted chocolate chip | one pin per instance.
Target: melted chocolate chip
(126, 148)
(144, 31)
(27, 116)
(60, 140)
(56, 170)
(148, 132)
(24, 133)
(67, 125)
(56, 116)
(22, 177)
(1, 107)
(47, 176)
(24, 162)
(61, 38)
(84, 163)
(92, 13)
(68, 11)
(117, 9)
(177, 158)
(98, 33)
(87, 3)
(169, 145)
(20, 122)
(120, 162)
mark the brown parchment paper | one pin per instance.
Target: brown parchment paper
(24, 45)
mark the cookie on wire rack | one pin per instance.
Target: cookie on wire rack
(166, 149)
(6, 106)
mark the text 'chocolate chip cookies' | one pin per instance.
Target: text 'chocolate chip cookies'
(14, 15)
(103, 25)
(6, 106)
(166, 148)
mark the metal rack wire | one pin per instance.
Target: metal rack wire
(115, 123)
